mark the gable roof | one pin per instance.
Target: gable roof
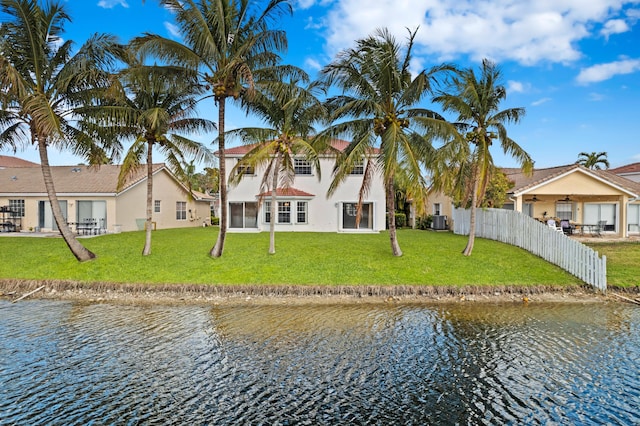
(629, 168)
(76, 180)
(9, 161)
(241, 150)
(525, 184)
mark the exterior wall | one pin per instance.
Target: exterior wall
(132, 205)
(123, 211)
(323, 214)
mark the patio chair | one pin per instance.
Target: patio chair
(566, 227)
(600, 228)
(552, 224)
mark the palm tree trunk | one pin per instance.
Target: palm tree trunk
(147, 241)
(218, 248)
(472, 219)
(274, 200)
(79, 251)
(391, 211)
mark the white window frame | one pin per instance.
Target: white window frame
(302, 166)
(358, 168)
(181, 210)
(156, 206)
(17, 207)
(302, 208)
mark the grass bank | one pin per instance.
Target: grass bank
(180, 256)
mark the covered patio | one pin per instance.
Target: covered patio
(594, 202)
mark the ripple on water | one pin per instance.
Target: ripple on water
(73, 363)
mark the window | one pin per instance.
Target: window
(156, 206)
(594, 213)
(301, 212)
(284, 212)
(17, 208)
(301, 167)
(349, 211)
(436, 209)
(245, 169)
(634, 218)
(181, 210)
(358, 168)
(243, 215)
(267, 211)
(564, 211)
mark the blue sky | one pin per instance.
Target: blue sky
(574, 65)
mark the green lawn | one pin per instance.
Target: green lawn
(181, 256)
(623, 262)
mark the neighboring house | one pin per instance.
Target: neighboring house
(8, 161)
(305, 206)
(88, 194)
(578, 194)
(630, 171)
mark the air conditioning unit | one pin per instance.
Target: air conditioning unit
(439, 223)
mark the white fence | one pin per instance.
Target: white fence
(522, 231)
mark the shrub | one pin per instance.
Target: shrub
(401, 220)
(215, 220)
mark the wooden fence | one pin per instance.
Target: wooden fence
(517, 229)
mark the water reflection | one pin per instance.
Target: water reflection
(73, 363)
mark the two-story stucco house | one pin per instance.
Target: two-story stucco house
(305, 206)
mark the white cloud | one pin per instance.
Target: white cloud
(540, 101)
(312, 64)
(174, 31)
(614, 26)
(109, 4)
(603, 72)
(525, 31)
(516, 87)
(596, 97)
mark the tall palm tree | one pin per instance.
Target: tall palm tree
(593, 160)
(291, 110)
(226, 41)
(379, 106)
(476, 102)
(155, 106)
(44, 87)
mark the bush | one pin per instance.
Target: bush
(215, 220)
(424, 222)
(401, 220)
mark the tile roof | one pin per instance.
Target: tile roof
(8, 161)
(338, 144)
(68, 179)
(629, 168)
(523, 182)
(288, 192)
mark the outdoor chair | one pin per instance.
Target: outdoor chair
(600, 227)
(566, 227)
(552, 224)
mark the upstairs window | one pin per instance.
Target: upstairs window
(156, 206)
(245, 169)
(358, 168)
(301, 167)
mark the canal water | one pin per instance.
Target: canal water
(70, 363)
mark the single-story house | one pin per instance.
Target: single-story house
(88, 195)
(573, 192)
(305, 206)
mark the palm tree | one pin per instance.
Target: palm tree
(155, 106)
(476, 101)
(378, 107)
(593, 160)
(226, 41)
(291, 110)
(44, 87)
